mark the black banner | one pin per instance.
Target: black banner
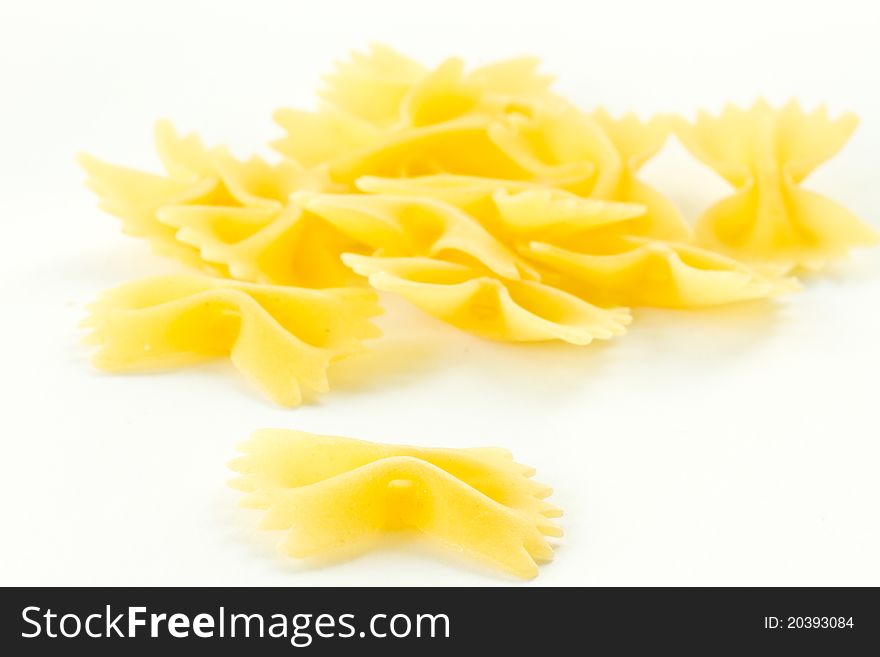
(420, 621)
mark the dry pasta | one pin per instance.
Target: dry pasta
(281, 338)
(490, 306)
(329, 492)
(485, 199)
(766, 153)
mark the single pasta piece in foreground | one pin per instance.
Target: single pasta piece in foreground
(281, 338)
(481, 303)
(766, 154)
(330, 492)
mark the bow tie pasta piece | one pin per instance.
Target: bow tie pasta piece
(279, 246)
(282, 338)
(384, 114)
(517, 77)
(554, 215)
(460, 146)
(195, 176)
(466, 192)
(442, 95)
(329, 492)
(639, 272)
(560, 147)
(412, 226)
(403, 492)
(447, 93)
(499, 309)
(608, 152)
(389, 90)
(283, 458)
(135, 197)
(511, 210)
(253, 183)
(636, 142)
(765, 154)
(371, 86)
(314, 138)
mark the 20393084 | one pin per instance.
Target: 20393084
(808, 622)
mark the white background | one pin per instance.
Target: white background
(737, 446)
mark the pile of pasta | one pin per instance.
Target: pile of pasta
(479, 195)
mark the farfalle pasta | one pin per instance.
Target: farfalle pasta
(640, 272)
(512, 211)
(329, 492)
(227, 217)
(471, 193)
(416, 226)
(561, 147)
(371, 86)
(282, 245)
(485, 199)
(281, 338)
(315, 138)
(386, 89)
(461, 145)
(490, 306)
(448, 263)
(766, 154)
(636, 142)
(384, 114)
(135, 197)
(491, 202)
(606, 259)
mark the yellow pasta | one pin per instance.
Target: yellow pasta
(416, 226)
(135, 197)
(561, 147)
(640, 272)
(481, 197)
(513, 211)
(595, 246)
(384, 114)
(329, 492)
(489, 306)
(599, 251)
(469, 145)
(227, 217)
(313, 138)
(281, 338)
(470, 193)
(389, 90)
(462, 146)
(447, 92)
(765, 154)
(372, 85)
(280, 246)
(594, 156)
(636, 142)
